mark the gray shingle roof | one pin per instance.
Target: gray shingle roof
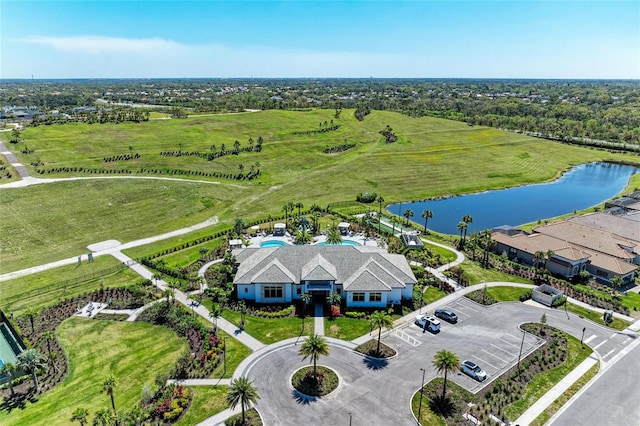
(362, 267)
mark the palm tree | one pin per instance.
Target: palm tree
(108, 386)
(285, 209)
(445, 361)
(426, 215)
(380, 200)
(242, 391)
(9, 369)
(80, 415)
(313, 348)
(215, 313)
(103, 417)
(462, 226)
(303, 236)
(31, 360)
(380, 319)
(334, 299)
(305, 298)
(408, 213)
(466, 219)
(334, 237)
(299, 206)
(48, 336)
(32, 313)
(394, 222)
(290, 207)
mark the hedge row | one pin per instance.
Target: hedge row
(124, 157)
(232, 176)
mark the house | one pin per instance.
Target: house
(364, 276)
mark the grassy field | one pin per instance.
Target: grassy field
(133, 352)
(477, 274)
(507, 294)
(207, 401)
(80, 279)
(347, 328)
(65, 217)
(596, 317)
(271, 330)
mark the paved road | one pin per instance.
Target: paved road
(612, 399)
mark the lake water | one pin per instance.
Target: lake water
(583, 186)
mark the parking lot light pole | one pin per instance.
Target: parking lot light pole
(349, 418)
(582, 338)
(224, 348)
(520, 355)
(421, 387)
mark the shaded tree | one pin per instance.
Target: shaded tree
(243, 392)
(445, 362)
(380, 319)
(108, 386)
(31, 360)
(312, 348)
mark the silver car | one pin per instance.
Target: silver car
(473, 370)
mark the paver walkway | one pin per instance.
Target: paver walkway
(318, 319)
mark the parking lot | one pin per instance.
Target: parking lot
(487, 336)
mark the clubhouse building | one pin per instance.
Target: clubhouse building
(363, 276)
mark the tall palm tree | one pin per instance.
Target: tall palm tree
(462, 227)
(467, 219)
(333, 236)
(380, 319)
(380, 200)
(241, 391)
(290, 207)
(9, 369)
(299, 206)
(31, 360)
(108, 386)
(215, 313)
(394, 222)
(32, 313)
(445, 361)
(305, 298)
(285, 209)
(313, 348)
(80, 415)
(426, 215)
(408, 213)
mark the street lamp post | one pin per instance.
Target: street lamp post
(224, 340)
(520, 355)
(582, 338)
(421, 387)
(349, 418)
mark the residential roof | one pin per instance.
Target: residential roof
(590, 238)
(623, 225)
(356, 267)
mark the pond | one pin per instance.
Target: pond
(583, 186)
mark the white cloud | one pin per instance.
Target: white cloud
(98, 45)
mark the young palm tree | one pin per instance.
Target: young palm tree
(334, 237)
(305, 298)
(9, 369)
(80, 415)
(426, 215)
(299, 206)
(380, 200)
(242, 391)
(215, 313)
(380, 319)
(31, 360)
(408, 213)
(103, 417)
(108, 386)
(334, 299)
(445, 361)
(302, 236)
(313, 348)
(48, 336)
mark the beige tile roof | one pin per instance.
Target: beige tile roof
(610, 263)
(619, 225)
(589, 238)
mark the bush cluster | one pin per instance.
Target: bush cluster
(338, 148)
(124, 157)
(366, 197)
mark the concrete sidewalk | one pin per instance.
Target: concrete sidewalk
(554, 393)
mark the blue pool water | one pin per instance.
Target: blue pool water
(273, 243)
(344, 243)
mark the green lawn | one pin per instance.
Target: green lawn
(207, 401)
(81, 279)
(236, 352)
(431, 294)
(447, 255)
(596, 317)
(133, 352)
(65, 217)
(477, 274)
(507, 294)
(271, 330)
(347, 328)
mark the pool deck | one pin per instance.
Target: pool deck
(288, 239)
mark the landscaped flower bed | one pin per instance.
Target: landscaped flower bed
(323, 383)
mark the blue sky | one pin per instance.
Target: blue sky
(430, 39)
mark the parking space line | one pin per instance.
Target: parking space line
(485, 362)
(509, 343)
(626, 340)
(593, 336)
(503, 350)
(613, 335)
(608, 353)
(495, 356)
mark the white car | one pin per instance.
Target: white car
(427, 322)
(473, 370)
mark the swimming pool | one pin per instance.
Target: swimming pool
(344, 243)
(273, 243)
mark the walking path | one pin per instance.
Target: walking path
(318, 319)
